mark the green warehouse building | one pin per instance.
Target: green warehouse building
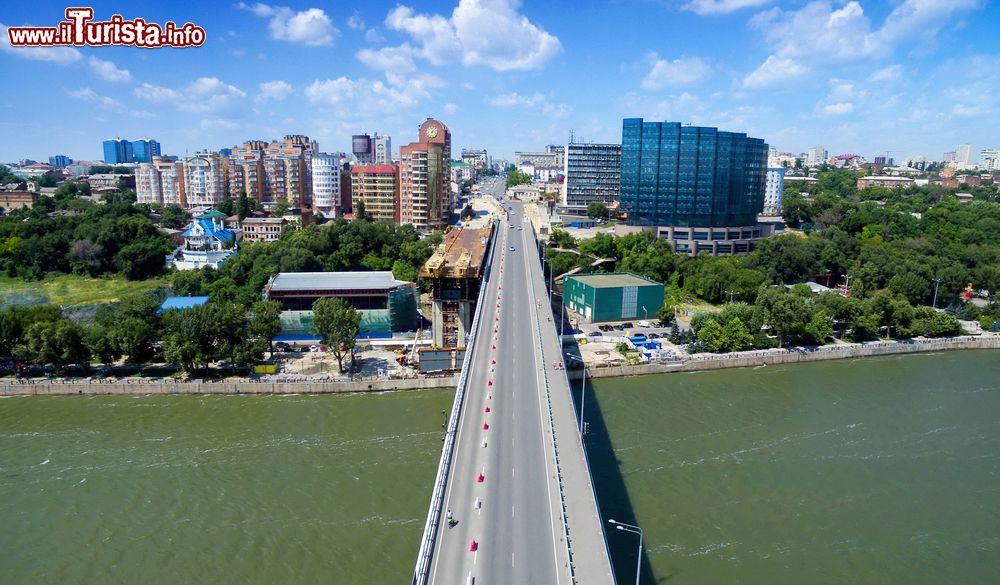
(615, 296)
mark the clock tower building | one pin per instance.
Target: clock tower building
(424, 174)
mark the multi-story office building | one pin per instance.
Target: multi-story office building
(161, 182)
(144, 150)
(475, 157)
(964, 156)
(989, 159)
(117, 150)
(377, 186)
(326, 183)
(206, 179)
(60, 161)
(774, 189)
(552, 157)
(697, 186)
(592, 173)
(424, 177)
(382, 148)
(361, 148)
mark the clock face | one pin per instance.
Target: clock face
(432, 132)
(381, 147)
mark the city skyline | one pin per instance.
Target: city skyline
(906, 78)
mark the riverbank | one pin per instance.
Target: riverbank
(758, 358)
(95, 387)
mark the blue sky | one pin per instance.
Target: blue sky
(865, 76)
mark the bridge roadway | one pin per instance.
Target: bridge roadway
(503, 484)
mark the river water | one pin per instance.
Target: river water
(882, 470)
(216, 489)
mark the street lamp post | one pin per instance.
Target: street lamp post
(937, 281)
(645, 313)
(583, 388)
(634, 530)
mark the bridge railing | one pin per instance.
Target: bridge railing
(432, 526)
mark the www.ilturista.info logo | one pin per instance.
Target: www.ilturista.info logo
(79, 29)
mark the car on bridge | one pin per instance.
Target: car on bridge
(511, 248)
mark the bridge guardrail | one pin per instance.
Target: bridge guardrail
(429, 539)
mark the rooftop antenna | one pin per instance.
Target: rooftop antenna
(572, 139)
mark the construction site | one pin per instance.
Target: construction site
(455, 272)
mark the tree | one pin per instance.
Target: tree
(57, 342)
(736, 336)
(265, 322)
(516, 177)
(359, 211)
(784, 312)
(188, 337)
(597, 209)
(142, 259)
(338, 324)
(226, 206)
(281, 207)
(243, 205)
(710, 335)
(133, 338)
(173, 216)
(820, 327)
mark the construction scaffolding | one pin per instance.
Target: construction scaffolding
(455, 271)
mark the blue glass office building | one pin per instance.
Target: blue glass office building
(689, 176)
(144, 150)
(117, 151)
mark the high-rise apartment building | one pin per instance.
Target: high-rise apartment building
(377, 186)
(161, 182)
(964, 156)
(989, 159)
(551, 157)
(275, 171)
(117, 150)
(144, 150)
(206, 179)
(817, 156)
(382, 149)
(697, 186)
(774, 190)
(592, 173)
(948, 157)
(424, 177)
(326, 183)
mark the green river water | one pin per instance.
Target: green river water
(882, 470)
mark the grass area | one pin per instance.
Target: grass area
(71, 290)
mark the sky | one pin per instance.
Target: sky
(903, 77)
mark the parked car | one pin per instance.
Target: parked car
(654, 336)
(511, 248)
(313, 348)
(595, 334)
(626, 325)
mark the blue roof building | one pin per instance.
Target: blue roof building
(181, 303)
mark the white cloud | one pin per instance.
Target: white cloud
(311, 27)
(682, 71)
(774, 71)
(373, 36)
(450, 108)
(274, 90)
(88, 95)
(707, 7)
(108, 70)
(514, 99)
(218, 123)
(837, 109)
(365, 96)
(355, 22)
(890, 73)
(201, 95)
(821, 33)
(398, 59)
(479, 32)
(966, 111)
(536, 102)
(60, 55)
